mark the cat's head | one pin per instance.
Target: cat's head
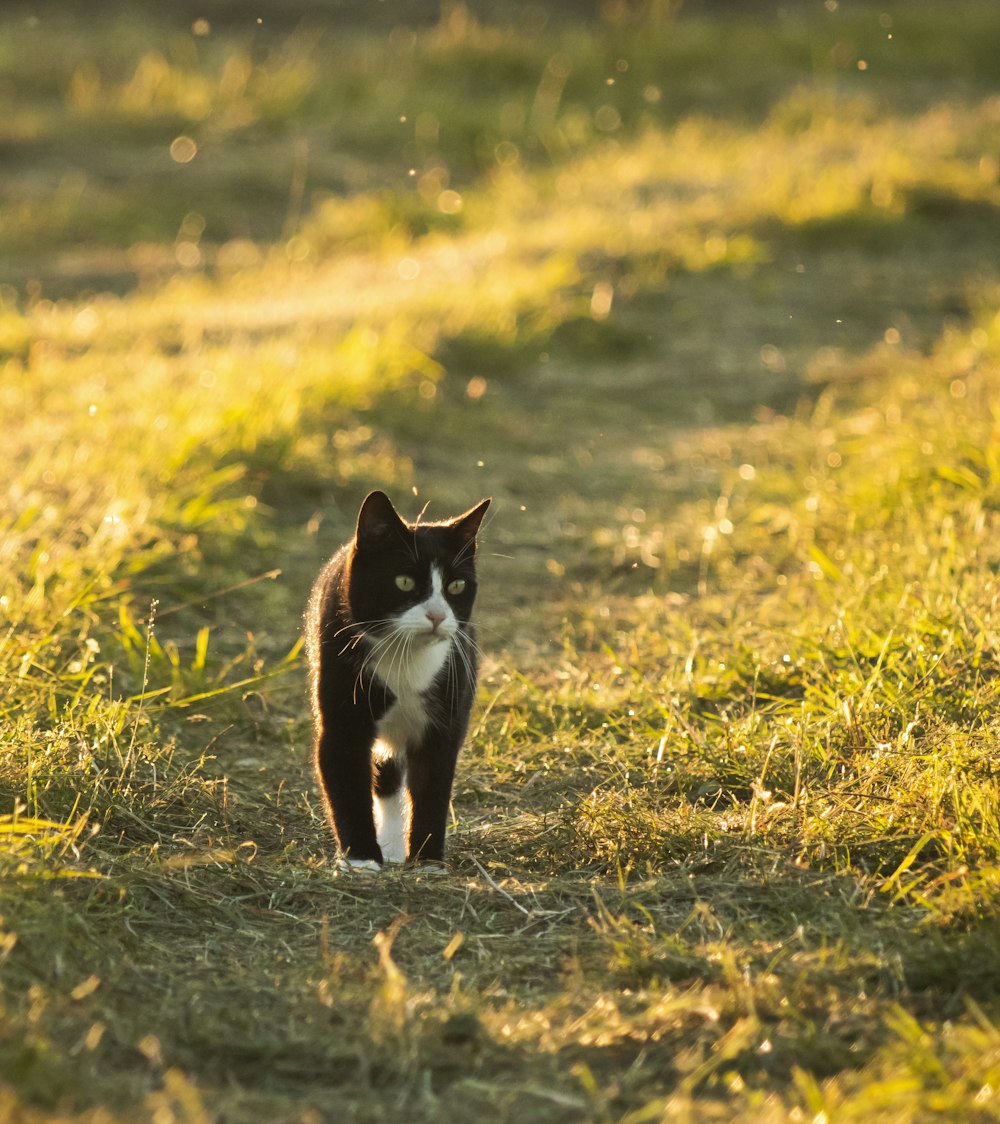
(417, 578)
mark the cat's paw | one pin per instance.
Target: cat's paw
(393, 851)
(358, 866)
(427, 866)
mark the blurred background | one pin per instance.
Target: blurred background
(549, 252)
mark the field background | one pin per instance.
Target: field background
(707, 299)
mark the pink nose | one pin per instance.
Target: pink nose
(435, 619)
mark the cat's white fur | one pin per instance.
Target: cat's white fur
(362, 866)
(392, 814)
(408, 665)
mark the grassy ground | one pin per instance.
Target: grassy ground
(710, 306)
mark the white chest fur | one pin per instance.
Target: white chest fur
(407, 717)
(403, 722)
(414, 666)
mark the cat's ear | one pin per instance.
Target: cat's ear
(378, 518)
(467, 525)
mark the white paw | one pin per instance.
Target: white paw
(432, 867)
(358, 866)
(393, 850)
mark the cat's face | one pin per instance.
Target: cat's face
(416, 582)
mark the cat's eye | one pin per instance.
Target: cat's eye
(456, 587)
(405, 583)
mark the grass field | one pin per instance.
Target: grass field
(709, 301)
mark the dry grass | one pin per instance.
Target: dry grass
(721, 338)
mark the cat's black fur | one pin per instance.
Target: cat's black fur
(420, 721)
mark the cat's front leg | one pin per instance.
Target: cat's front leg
(343, 760)
(430, 772)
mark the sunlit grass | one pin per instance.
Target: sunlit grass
(720, 336)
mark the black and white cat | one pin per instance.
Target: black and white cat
(393, 660)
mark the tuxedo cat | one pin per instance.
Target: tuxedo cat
(393, 660)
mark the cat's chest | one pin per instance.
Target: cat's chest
(409, 679)
(413, 670)
(401, 725)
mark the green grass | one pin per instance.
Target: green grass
(712, 312)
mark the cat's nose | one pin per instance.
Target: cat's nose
(435, 618)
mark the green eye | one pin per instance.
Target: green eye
(456, 587)
(406, 583)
